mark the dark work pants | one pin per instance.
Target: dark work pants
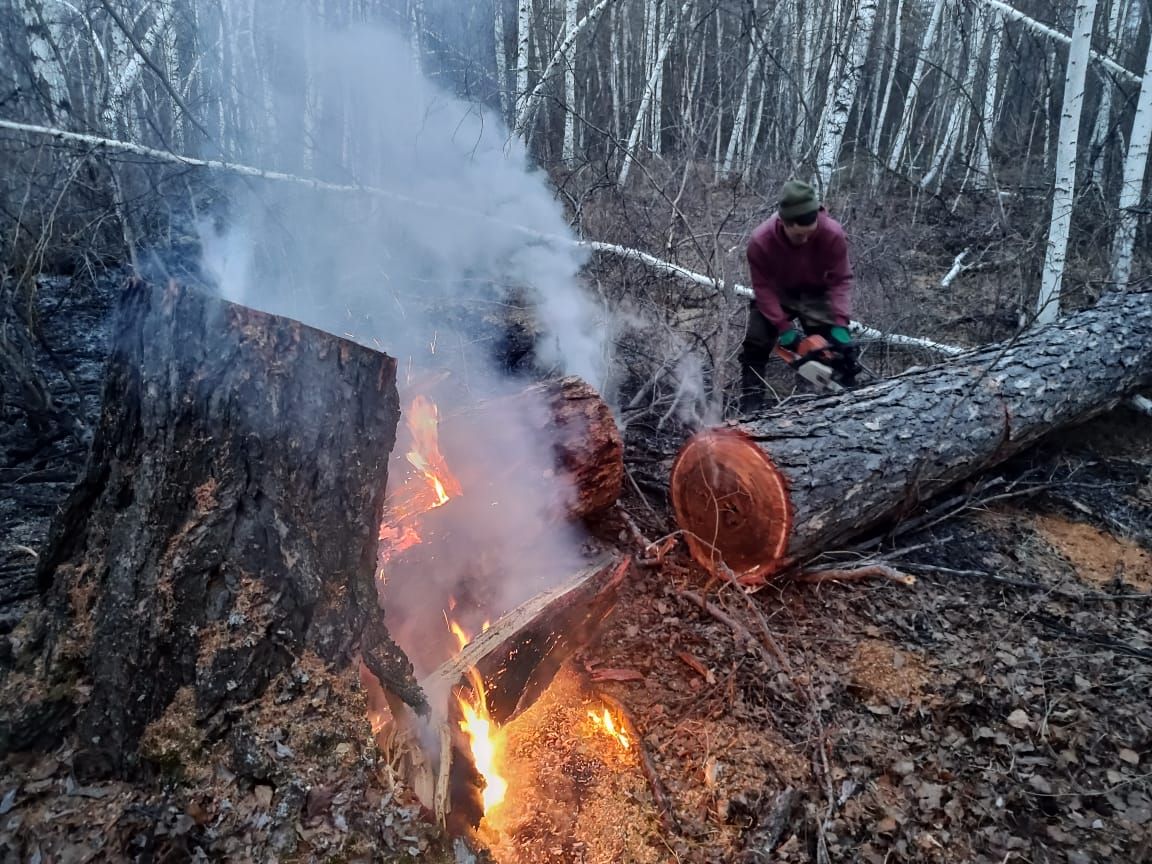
(759, 340)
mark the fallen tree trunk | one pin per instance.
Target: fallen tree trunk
(224, 531)
(783, 486)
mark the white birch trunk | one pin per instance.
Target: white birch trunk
(124, 78)
(523, 48)
(1132, 187)
(43, 47)
(502, 63)
(1104, 108)
(565, 53)
(614, 72)
(718, 138)
(656, 121)
(885, 101)
(569, 154)
(649, 90)
(986, 128)
(749, 155)
(962, 106)
(837, 117)
(1048, 302)
(897, 152)
(416, 32)
(752, 70)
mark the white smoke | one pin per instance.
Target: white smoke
(468, 218)
(425, 273)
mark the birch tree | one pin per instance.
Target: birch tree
(986, 126)
(921, 68)
(1063, 195)
(523, 46)
(1132, 186)
(501, 61)
(51, 80)
(657, 69)
(565, 53)
(845, 98)
(569, 153)
(962, 105)
(1104, 108)
(740, 124)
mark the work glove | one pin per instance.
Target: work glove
(790, 338)
(840, 336)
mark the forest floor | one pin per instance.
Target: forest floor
(994, 711)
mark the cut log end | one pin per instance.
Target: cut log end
(732, 504)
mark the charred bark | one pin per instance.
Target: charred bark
(513, 662)
(225, 525)
(787, 484)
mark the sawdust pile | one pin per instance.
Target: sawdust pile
(1098, 557)
(576, 796)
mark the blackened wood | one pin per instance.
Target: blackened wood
(226, 523)
(862, 460)
(520, 654)
(517, 658)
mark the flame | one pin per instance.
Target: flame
(434, 485)
(607, 725)
(483, 737)
(425, 456)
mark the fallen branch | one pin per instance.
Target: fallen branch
(659, 791)
(855, 574)
(762, 841)
(1016, 15)
(770, 652)
(958, 267)
(111, 144)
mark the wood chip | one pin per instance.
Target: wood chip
(617, 675)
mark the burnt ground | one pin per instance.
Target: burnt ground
(994, 711)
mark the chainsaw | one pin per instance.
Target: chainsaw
(829, 368)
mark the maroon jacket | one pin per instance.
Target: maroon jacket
(816, 274)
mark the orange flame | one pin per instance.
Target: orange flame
(425, 456)
(483, 736)
(607, 725)
(434, 487)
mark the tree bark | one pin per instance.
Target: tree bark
(784, 486)
(1064, 193)
(1132, 190)
(226, 525)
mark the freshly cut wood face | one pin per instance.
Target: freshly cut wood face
(732, 503)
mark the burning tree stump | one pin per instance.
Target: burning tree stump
(788, 484)
(226, 526)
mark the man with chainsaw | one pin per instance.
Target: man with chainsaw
(800, 269)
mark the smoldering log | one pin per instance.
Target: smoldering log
(519, 655)
(226, 522)
(515, 660)
(787, 484)
(587, 448)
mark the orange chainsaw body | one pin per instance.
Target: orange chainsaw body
(812, 359)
